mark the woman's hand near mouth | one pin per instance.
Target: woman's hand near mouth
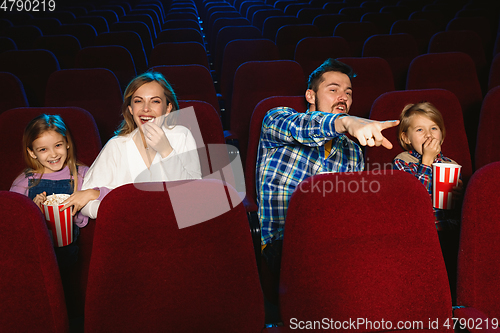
(156, 138)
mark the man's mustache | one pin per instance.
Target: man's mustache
(339, 103)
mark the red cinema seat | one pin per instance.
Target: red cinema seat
(33, 68)
(129, 40)
(205, 124)
(383, 21)
(180, 53)
(255, 81)
(479, 24)
(478, 258)
(96, 90)
(192, 284)
(99, 23)
(85, 32)
(116, 58)
(179, 35)
(354, 268)
(437, 18)
(356, 33)
(311, 52)
(23, 35)
(64, 47)
(487, 149)
(173, 24)
(260, 16)
(494, 73)
(139, 28)
(398, 49)
(354, 13)
(239, 51)
(31, 288)
(274, 23)
(7, 44)
(327, 22)
(221, 23)
(456, 72)
(191, 82)
(466, 41)
(11, 86)
(288, 36)
(373, 78)
(228, 34)
(422, 30)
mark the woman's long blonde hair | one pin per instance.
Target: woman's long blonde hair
(128, 124)
(36, 128)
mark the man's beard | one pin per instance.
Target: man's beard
(316, 105)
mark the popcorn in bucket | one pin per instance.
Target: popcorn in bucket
(59, 223)
(445, 177)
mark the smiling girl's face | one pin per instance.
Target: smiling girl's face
(51, 150)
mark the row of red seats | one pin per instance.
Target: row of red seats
(254, 81)
(126, 30)
(182, 279)
(292, 34)
(226, 84)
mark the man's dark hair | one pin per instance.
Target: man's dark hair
(330, 65)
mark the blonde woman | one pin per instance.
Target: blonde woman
(148, 145)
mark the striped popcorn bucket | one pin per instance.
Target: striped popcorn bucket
(60, 224)
(445, 177)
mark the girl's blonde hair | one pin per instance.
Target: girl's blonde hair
(36, 128)
(423, 108)
(128, 124)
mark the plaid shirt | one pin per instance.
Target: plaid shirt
(411, 162)
(291, 149)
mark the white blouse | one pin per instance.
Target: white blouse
(120, 163)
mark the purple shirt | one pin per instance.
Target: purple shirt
(20, 185)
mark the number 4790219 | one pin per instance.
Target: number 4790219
(471, 323)
(27, 5)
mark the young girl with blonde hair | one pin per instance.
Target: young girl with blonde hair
(52, 168)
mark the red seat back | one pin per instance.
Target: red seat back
(186, 282)
(11, 86)
(456, 72)
(373, 78)
(181, 77)
(478, 258)
(354, 268)
(31, 288)
(255, 81)
(398, 49)
(33, 68)
(487, 149)
(96, 90)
